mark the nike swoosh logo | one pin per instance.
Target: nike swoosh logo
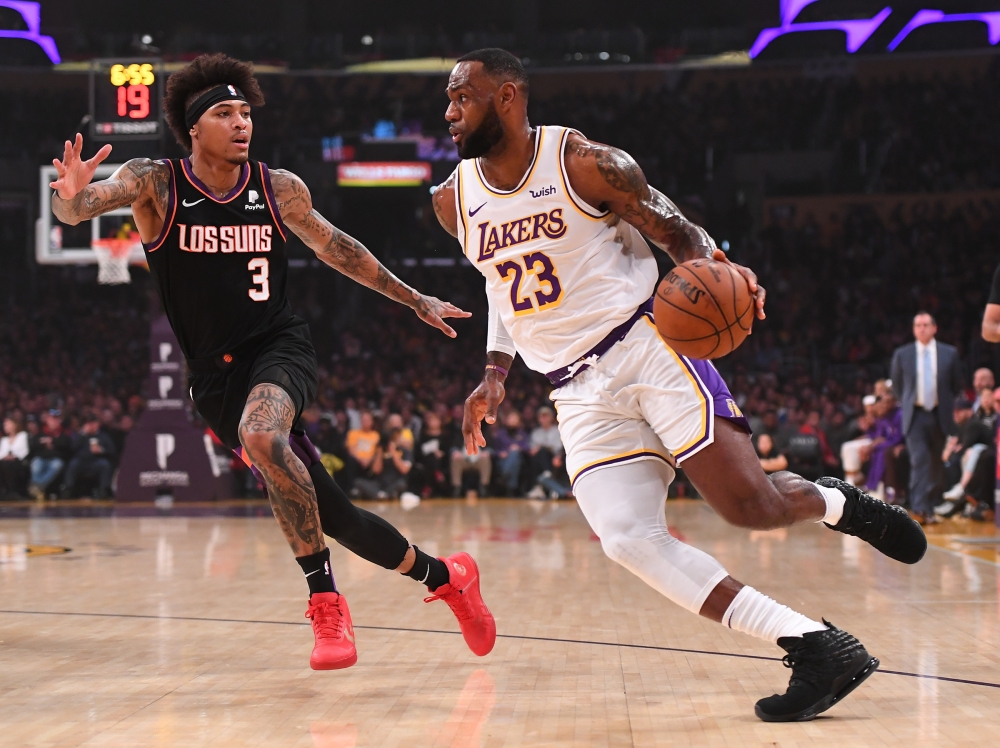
(186, 204)
(473, 212)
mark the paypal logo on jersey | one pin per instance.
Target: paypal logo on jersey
(550, 190)
(253, 196)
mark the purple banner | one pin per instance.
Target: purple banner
(166, 454)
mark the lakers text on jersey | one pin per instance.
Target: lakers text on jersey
(561, 273)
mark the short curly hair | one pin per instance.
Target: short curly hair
(205, 72)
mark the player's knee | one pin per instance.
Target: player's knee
(628, 544)
(259, 445)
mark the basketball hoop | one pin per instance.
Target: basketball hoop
(112, 258)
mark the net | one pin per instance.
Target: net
(112, 258)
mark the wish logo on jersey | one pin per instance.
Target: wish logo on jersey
(519, 231)
(226, 239)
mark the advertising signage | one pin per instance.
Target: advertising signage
(383, 173)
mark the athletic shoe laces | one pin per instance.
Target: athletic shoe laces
(457, 602)
(327, 620)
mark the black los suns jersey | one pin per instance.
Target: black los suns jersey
(220, 263)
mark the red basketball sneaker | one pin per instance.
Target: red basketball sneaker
(463, 597)
(334, 632)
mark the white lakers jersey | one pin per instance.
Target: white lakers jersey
(560, 274)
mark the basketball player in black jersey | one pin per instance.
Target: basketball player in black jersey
(214, 227)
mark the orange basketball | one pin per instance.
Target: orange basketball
(703, 309)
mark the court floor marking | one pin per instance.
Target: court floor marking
(679, 650)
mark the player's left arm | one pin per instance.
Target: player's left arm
(348, 255)
(608, 178)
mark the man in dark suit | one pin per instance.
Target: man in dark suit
(926, 376)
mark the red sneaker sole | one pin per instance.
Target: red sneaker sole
(336, 665)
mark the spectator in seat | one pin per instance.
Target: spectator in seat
(50, 453)
(982, 380)
(511, 444)
(93, 453)
(330, 443)
(547, 458)
(389, 470)
(362, 446)
(771, 460)
(14, 449)
(971, 458)
(886, 447)
(853, 452)
(481, 463)
(430, 458)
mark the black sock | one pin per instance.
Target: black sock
(428, 570)
(316, 567)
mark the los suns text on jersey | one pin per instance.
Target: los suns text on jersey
(209, 239)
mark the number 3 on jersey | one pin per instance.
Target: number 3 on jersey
(262, 290)
(549, 291)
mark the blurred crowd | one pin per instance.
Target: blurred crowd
(72, 359)
(842, 287)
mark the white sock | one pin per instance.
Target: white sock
(834, 504)
(760, 616)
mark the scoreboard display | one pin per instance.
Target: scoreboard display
(126, 99)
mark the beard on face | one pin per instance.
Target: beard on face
(479, 142)
(239, 159)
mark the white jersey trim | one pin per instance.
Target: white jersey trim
(578, 202)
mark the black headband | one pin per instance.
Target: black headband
(209, 99)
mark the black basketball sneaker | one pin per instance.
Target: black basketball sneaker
(885, 527)
(826, 666)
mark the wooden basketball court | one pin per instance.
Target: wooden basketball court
(188, 631)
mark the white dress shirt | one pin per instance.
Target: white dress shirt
(16, 445)
(932, 347)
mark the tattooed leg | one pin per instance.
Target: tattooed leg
(264, 428)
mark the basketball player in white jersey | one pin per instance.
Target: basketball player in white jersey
(555, 223)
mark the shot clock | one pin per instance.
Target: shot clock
(126, 99)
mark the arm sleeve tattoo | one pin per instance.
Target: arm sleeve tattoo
(337, 249)
(616, 178)
(136, 179)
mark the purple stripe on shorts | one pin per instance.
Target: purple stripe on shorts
(615, 460)
(725, 404)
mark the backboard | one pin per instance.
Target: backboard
(58, 244)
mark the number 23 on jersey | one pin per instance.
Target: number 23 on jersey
(549, 292)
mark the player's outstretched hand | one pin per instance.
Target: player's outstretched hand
(73, 172)
(481, 404)
(434, 311)
(756, 289)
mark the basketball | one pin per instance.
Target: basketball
(703, 309)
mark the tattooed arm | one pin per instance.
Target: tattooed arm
(141, 183)
(348, 255)
(609, 178)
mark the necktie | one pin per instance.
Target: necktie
(929, 383)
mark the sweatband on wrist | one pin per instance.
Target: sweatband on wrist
(225, 92)
(497, 368)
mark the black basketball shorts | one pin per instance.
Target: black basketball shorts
(284, 357)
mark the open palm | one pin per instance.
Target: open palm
(73, 172)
